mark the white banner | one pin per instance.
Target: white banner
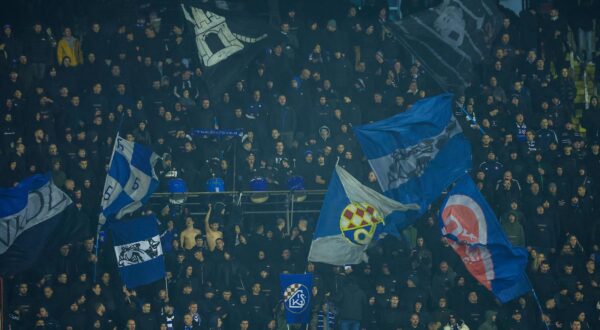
(138, 252)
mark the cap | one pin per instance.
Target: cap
(332, 23)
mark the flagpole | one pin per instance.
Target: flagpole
(99, 224)
(537, 301)
(166, 286)
(1, 303)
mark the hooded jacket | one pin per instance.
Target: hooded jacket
(514, 230)
(490, 323)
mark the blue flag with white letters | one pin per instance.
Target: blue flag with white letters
(474, 233)
(29, 214)
(139, 251)
(416, 154)
(131, 180)
(296, 294)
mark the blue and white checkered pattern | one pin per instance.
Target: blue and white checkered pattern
(130, 181)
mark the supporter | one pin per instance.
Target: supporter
(535, 147)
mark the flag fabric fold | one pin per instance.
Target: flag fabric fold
(130, 182)
(416, 154)
(352, 216)
(29, 214)
(474, 233)
(139, 251)
(296, 292)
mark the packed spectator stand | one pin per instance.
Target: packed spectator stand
(70, 78)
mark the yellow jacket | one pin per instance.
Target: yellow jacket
(73, 53)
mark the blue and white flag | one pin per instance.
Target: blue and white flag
(296, 293)
(139, 251)
(352, 216)
(29, 213)
(131, 180)
(475, 235)
(417, 154)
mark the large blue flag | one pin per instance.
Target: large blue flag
(29, 214)
(296, 294)
(417, 154)
(139, 251)
(131, 180)
(352, 216)
(475, 235)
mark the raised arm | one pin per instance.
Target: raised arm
(206, 218)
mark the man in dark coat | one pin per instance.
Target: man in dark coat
(351, 301)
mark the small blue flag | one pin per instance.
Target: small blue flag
(416, 154)
(475, 235)
(296, 293)
(139, 251)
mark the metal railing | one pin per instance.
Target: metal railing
(281, 203)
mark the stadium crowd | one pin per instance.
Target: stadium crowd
(536, 159)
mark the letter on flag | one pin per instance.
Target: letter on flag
(417, 154)
(131, 180)
(475, 235)
(296, 291)
(351, 217)
(29, 213)
(139, 251)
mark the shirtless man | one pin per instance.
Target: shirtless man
(188, 235)
(212, 230)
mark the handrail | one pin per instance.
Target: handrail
(244, 192)
(278, 205)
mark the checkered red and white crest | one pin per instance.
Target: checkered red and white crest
(290, 290)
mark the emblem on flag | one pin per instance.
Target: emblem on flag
(226, 40)
(352, 216)
(416, 154)
(359, 223)
(474, 233)
(295, 297)
(138, 252)
(464, 219)
(296, 294)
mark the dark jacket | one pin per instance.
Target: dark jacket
(351, 300)
(283, 118)
(39, 48)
